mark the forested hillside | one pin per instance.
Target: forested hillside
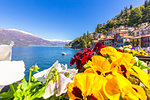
(129, 16)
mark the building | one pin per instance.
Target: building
(119, 39)
(91, 35)
(143, 26)
(97, 35)
(111, 31)
(127, 40)
(145, 40)
(146, 31)
(94, 43)
(109, 42)
(121, 29)
(136, 32)
(136, 41)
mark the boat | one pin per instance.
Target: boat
(63, 53)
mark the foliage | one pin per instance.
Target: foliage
(82, 42)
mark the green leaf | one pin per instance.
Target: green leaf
(39, 93)
(24, 85)
(66, 74)
(144, 67)
(7, 95)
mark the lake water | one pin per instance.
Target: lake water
(44, 57)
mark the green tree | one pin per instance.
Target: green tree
(84, 36)
(135, 17)
(146, 14)
(146, 3)
(83, 43)
(131, 7)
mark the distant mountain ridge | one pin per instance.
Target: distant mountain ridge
(21, 38)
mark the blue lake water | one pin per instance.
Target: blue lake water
(44, 57)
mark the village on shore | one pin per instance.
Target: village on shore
(121, 36)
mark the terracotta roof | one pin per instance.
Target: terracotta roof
(123, 34)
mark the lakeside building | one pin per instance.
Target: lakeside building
(136, 41)
(121, 36)
(145, 40)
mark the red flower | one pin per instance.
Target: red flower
(81, 58)
(119, 50)
(72, 61)
(78, 55)
(98, 47)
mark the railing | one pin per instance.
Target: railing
(144, 58)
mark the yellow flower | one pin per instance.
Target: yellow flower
(99, 64)
(142, 53)
(111, 88)
(85, 86)
(134, 92)
(142, 76)
(117, 85)
(123, 65)
(111, 53)
(89, 70)
(129, 46)
(133, 52)
(127, 50)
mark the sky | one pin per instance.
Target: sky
(59, 19)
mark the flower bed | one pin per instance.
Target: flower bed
(101, 74)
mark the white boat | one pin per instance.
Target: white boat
(63, 53)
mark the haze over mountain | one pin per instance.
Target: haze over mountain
(21, 38)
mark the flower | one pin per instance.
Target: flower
(123, 65)
(116, 85)
(6, 51)
(127, 50)
(41, 76)
(120, 50)
(59, 79)
(142, 53)
(111, 53)
(86, 86)
(145, 78)
(132, 52)
(81, 58)
(57, 87)
(98, 47)
(99, 64)
(148, 49)
(35, 68)
(11, 71)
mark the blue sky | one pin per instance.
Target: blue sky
(59, 19)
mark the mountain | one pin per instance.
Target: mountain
(21, 38)
(60, 42)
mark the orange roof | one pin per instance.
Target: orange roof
(123, 34)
